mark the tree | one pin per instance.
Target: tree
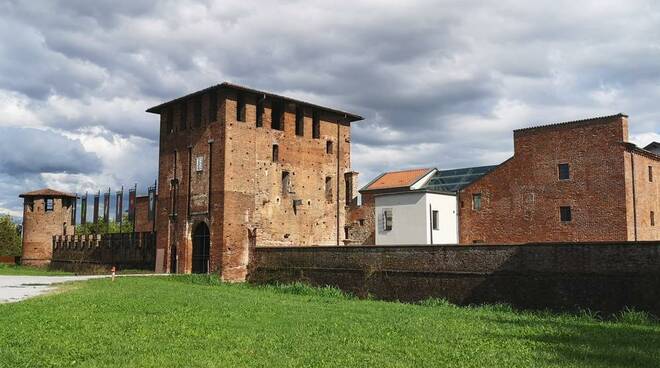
(101, 228)
(10, 240)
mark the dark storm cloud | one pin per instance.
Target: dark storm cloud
(32, 151)
(440, 83)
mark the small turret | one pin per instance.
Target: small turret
(46, 213)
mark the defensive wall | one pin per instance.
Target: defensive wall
(125, 251)
(604, 276)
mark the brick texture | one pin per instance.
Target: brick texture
(239, 190)
(571, 276)
(521, 198)
(39, 227)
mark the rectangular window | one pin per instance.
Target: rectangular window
(652, 218)
(50, 204)
(286, 183)
(434, 220)
(29, 204)
(651, 173)
(199, 163)
(300, 121)
(260, 111)
(276, 153)
(565, 213)
(213, 105)
(476, 201)
(387, 219)
(240, 108)
(316, 125)
(328, 188)
(328, 147)
(277, 115)
(183, 117)
(197, 118)
(169, 121)
(348, 183)
(564, 172)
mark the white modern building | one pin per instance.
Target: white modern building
(416, 217)
(418, 206)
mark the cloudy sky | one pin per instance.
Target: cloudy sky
(440, 83)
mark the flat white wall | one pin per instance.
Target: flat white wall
(411, 218)
(445, 204)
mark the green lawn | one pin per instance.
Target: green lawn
(189, 322)
(29, 271)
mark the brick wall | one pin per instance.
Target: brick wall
(142, 222)
(125, 251)
(39, 227)
(521, 198)
(598, 276)
(646, 195)
(244, 189)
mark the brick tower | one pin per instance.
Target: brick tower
(46, 213)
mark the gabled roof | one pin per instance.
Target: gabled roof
(397, 179)
(653, 147)
(47, 192)
(227, 85)
(594, 120)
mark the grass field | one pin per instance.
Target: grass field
(194, 322)
(29, 271)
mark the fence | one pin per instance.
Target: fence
(600, 276)
(125, 251)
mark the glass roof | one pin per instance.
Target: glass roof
(456, 179)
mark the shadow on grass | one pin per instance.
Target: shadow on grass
(575, 339)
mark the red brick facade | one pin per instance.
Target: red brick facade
(219, 169)
(42, 222)
(521, 199)
(142, 221)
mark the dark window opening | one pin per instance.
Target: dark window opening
(300, 121)
(277, 115)
(50, 204)
(183, 123)
(564, 172)
(276, 153)
(462, 204)
(348, 182)
(213, 105)
(29, 205)
(434, 220)
(169, 121)
(387, 220)
(652, 218)
(328, 147)
(565, 213)
(286, 183)
(476, 201)
(316, 125)
(260, 111)
(328, 188)
(197, 118)
(361, 222)
(346, 228)
(240, 108)
(651, 173)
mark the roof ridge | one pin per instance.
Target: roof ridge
(407, 170)
(562, 123)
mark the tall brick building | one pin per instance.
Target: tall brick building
(571, 181)
(239, 167)
(46, 212)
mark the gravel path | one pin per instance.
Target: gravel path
(17, 288)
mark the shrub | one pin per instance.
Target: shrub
(10, 241)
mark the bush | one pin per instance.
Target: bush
(10, 241)
(436, 302)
